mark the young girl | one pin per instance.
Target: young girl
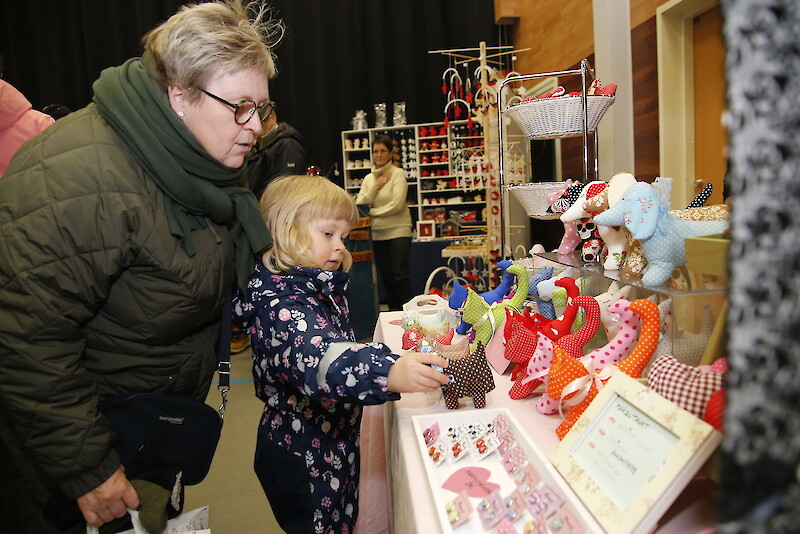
(309, 371)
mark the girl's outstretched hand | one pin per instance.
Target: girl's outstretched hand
(413, 373)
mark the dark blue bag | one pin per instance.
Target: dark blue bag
(180, 431)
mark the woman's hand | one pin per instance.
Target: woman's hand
(109, 500)
(412, 373)
(382, 180)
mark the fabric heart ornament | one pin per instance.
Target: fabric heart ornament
(687, 386)
(472, 480)
(495, 350)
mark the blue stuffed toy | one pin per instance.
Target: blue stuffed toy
(644, 210)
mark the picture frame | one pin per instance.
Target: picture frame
(631, 453)
(426, 230)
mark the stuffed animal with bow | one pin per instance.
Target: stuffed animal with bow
(484, 317)
(570, 379)
(522, 328)
(572, 343)
(458, 296)
(616, 348)
(644, 210)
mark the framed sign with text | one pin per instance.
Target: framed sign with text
(631, 454)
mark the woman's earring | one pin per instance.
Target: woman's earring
(180, 114)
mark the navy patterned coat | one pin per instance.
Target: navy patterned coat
(313, 379)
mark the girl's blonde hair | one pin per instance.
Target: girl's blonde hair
(288, 205)
(206, 39)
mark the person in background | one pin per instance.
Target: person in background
(18, 121)
(57, 111)
(311, 374)
(385, 190)
(124, 229)
(280, 152)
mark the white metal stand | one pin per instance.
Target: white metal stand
(583, 71)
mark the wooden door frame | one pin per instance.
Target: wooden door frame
(676, 142)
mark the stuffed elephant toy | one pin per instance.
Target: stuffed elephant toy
(644, 210)
(591, 243)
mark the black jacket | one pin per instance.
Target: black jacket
(281, 154)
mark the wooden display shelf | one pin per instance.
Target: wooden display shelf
(708, 254)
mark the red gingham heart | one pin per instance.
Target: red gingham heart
(688, 387)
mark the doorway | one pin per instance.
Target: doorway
(691, 87)
(710, 86)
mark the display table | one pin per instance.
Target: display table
(411, 507)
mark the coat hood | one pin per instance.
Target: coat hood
(12, 105)
(283, 131)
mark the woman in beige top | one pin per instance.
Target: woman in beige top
(385, 190)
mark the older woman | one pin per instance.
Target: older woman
(122, 229)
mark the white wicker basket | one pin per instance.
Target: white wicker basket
(533, 196)
(559, 117)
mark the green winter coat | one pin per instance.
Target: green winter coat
(96, 298)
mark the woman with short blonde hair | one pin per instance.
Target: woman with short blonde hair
(124, 227)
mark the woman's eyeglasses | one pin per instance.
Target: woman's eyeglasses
(246, 109)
